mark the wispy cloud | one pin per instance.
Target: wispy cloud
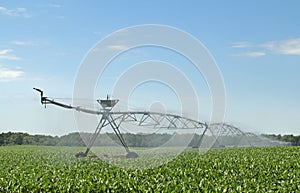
(253, 54)
(7, 55)
(14, 12)
(241, 45)
(6, 51)
(285, 47)
(282, 47)
(60, 17)
(117, 47)
(22, 43)
(97, 33)
(55, 5)
(10, 74)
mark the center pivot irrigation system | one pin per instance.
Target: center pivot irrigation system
(115, 118)
(219, 134)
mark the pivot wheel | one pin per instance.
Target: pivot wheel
(80, 154)
(132, 154)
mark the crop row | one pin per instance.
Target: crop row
(55, 169)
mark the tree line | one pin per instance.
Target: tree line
(79, 139)
(132, 140)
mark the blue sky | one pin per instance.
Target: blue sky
(256, 45)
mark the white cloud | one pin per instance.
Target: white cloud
(282, 47)
(22, 43)
(117, 47)
(97, 33)
(14, 12)
(6, 51)
(285, 47)
(254, 54)
(10, 74)
(241, 44)
(60, 17)
(97, 49)
(55, 5)
(6, 55)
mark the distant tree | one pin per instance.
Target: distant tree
(19, 139)
(1, 140)
(72, 139)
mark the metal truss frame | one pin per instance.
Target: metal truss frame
(141, 118)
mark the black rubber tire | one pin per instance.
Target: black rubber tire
(80, 154)
(132, 154)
